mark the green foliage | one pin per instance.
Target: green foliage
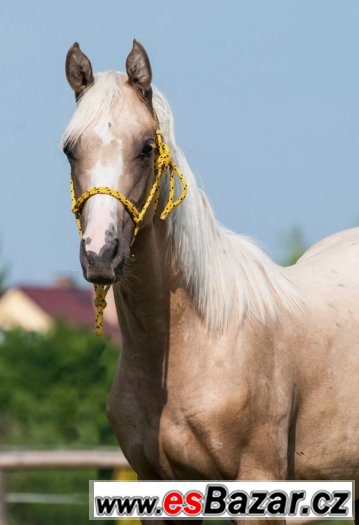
(294, 246)
(3, 279)
(53, 388)
(53, 392)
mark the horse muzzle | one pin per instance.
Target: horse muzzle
(105, 267)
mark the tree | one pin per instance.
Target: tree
(3, 278)
(53, 391)
(294, 246)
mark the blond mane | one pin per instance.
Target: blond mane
(225, 273)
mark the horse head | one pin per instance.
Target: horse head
(111, 145)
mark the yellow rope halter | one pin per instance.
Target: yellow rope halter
(163, 162)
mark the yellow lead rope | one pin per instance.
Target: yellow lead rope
(163, 162)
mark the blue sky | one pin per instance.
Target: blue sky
(265, 97)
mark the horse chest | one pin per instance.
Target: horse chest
(174, 439)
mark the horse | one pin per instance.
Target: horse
(232, 367)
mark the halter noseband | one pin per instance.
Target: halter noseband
(163, 162)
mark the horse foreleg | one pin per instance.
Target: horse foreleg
(257, 463)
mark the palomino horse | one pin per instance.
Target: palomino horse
(232, 367)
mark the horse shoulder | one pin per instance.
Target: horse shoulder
(233, 408)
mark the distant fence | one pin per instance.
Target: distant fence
(52, 459)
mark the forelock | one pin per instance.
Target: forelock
(95, 105)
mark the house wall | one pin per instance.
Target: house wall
(17, 310)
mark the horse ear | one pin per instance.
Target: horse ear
(78, 70)
(138, 69)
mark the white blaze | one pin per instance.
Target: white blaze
(102, 209)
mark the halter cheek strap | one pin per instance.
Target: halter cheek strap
(163, 163)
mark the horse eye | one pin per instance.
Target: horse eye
(147, 148)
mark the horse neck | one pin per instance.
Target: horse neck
(142, 297)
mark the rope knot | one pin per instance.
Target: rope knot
(100, 304)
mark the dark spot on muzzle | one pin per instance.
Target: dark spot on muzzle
(104, 267)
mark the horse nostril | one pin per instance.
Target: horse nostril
(105, 256)
(102, 266)
(115, 247)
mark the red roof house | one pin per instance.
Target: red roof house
(36, 307)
